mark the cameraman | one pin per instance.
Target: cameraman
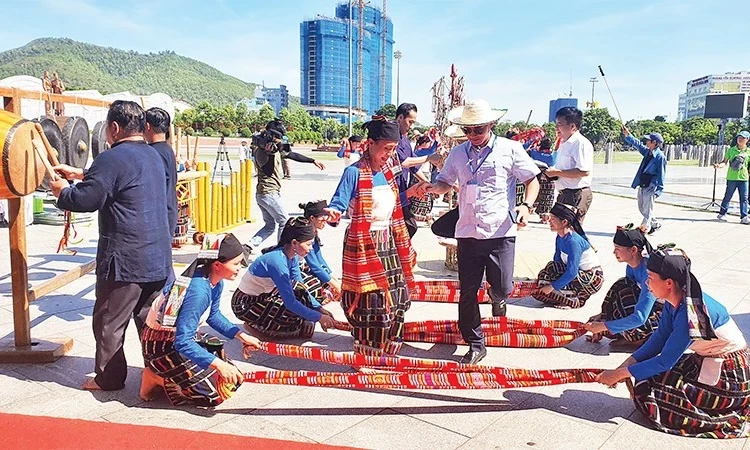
(269, 148)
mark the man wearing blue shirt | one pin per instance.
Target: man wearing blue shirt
(649, 179)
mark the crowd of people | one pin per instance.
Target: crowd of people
(690, 363)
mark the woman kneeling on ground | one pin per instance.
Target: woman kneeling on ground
(272, 298)
(315, 270)
(704, 393)
(630, 312)
(190, 366)
(574, 274)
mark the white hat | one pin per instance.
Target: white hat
(475, 112)
(454, 132)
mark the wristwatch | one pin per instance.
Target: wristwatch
(526, 205)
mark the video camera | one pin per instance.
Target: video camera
(273, 139)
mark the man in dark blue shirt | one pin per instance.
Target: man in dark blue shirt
(157, 127)
(127, 185)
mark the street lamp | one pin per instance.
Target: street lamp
(397, 54)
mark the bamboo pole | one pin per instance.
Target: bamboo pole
(242, 192)
(249, 191)
(215, 207)
(234, 185)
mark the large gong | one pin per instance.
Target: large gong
(75, 132)
(99, 139)
(22, 169)
(55, 138)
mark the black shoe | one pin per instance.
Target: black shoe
(473, 357)
(654, 229)
(499, 309)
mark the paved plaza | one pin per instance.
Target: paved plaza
(581, 416)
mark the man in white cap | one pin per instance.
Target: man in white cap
(486, 167)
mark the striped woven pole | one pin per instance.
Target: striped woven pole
(499, 332)
(409, 373)
(447, 291)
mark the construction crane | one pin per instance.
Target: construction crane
(383, 43)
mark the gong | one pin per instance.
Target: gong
(55, 138)
(99, 139)
(75, 132)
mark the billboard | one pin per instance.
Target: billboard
(725, 106)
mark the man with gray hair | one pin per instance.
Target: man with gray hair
(127, 185)
(486, 168)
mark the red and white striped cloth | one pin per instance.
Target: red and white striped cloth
(447, 291)
(409, 373)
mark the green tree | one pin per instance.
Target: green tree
(599, 126)
(549, 131)
(388, 110)
(266, 114)
(501, 128)
(660, 119)
(699, 131)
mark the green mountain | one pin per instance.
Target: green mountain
(108, 70)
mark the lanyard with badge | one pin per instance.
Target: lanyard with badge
(472, 193)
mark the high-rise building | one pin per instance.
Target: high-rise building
(277, 97)
(560, 103)
(693, 102)
(324, 62)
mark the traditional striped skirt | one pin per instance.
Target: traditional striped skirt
(546, 197)
(184, 381)
(267, 314)
(676, 403)
(379, 324)
(314, 286)
(620, 301)
(575, 294)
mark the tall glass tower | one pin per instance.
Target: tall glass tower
(324, 62)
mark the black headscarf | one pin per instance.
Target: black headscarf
(315, 209)
(629, 236)
(296, 228)
(222, 248)
(567, 212)
(673, 263)
(380, 128)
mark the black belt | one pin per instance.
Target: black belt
(575, 190)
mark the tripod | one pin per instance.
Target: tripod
(221, 155)
(712, 203)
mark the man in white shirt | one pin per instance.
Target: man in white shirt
(575, 162)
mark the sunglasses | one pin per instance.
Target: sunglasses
(474, 130)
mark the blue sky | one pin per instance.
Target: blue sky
(516, 55)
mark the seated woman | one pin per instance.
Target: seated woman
(630, 313)
(272, 298)
(191, 366)
(575, 273)
(316, 274)
(378, 256)
(703, 393)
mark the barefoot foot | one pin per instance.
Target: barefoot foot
(90, 385)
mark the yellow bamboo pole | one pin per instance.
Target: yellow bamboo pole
(242, 192)
(204, 202)
(235, 198)
(225, 209)
(215, 207)
(249, 191)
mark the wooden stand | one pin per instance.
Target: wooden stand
(21, 349)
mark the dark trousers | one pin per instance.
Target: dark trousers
(116, 302)
(477, 257)
(580, 198)
(410, 221)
